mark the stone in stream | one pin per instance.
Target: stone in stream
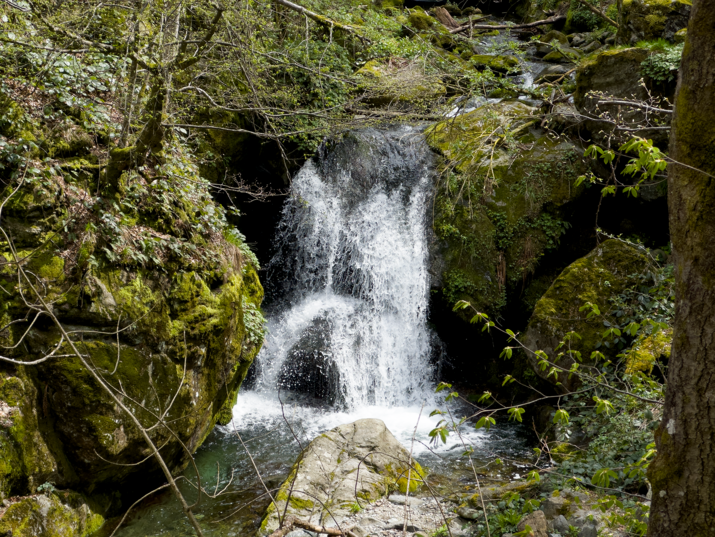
(537, 522)
(309, 367)
(357, 462)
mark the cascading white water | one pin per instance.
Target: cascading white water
(352, 260)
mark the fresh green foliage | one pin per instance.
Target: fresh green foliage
(663, 65)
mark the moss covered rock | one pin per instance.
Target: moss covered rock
(498, 203)
(502, 64)
(419, 20)
(160, 297)
(653, 19)
(399, 85)
(614, 72)
(604, 273)
(58, 514)
(360, 461)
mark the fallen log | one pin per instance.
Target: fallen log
(320, 19)
(544, 22)
(443, 16)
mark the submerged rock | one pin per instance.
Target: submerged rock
(352, 464)
(309, 367)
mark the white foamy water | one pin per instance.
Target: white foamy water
(255, 409)
(353, 247)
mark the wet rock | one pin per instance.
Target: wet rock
(537, 522)
(309, 367)
(358, 461)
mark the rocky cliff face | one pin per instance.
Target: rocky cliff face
(156, 290)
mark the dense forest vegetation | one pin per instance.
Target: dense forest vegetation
(148, 151)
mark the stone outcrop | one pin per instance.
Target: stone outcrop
(54, 514)
(497, 207)
(356, 463)
(615, 72)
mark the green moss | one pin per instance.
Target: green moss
(647, 349)
(501, 64)
(420, 20)
(53, 270)
(61, 514)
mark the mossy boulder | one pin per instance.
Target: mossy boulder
(498, 203)
(26, 458)
(502, 64)
(358, 462)
(563, 54)
(555, 35)
(57, 514)
(653, 19)
(604, 273)
(614, 72)
(399, 85)
(419, 20)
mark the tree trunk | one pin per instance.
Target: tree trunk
(683, 472)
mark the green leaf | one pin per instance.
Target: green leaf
(486, 422)
(561, 417)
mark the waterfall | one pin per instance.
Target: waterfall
(351, 268)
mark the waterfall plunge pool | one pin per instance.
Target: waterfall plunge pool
(258, 421)
(347, 339)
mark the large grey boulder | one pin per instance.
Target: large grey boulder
(354, 463)
(615, 72)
